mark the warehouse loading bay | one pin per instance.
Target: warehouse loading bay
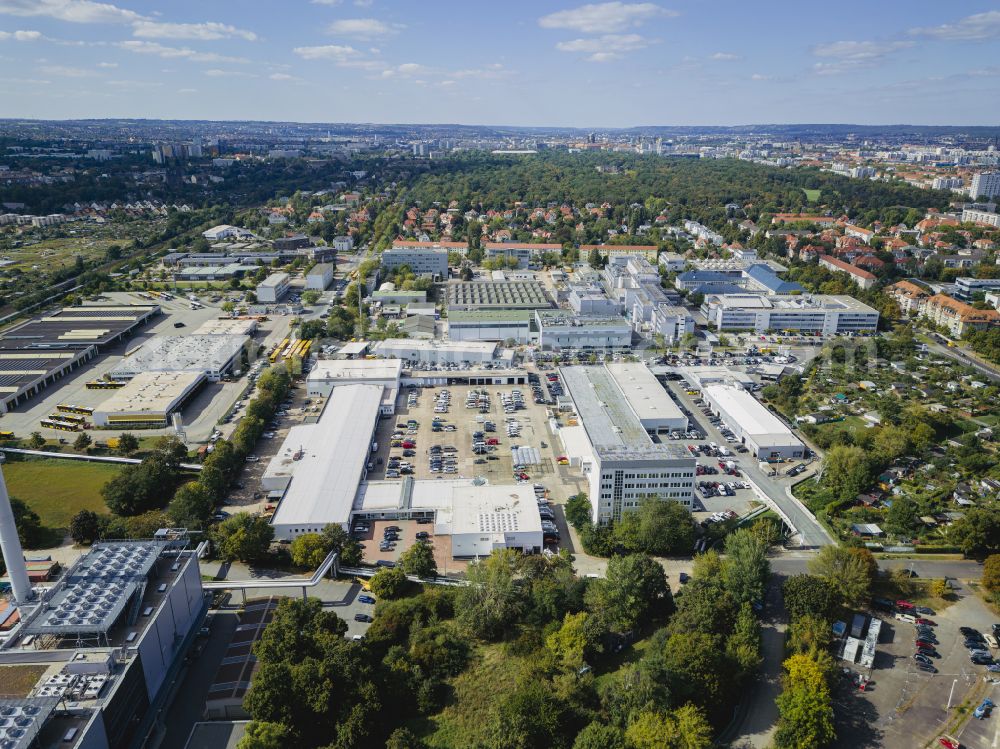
(200, 415)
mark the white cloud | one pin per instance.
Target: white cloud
(725, 56)
(283, 77)
(760, 77)
(209, 31)
(364, 3)
(161, 50)
(65, 71)
(406, 70)
(335, 52)
(73, 11)
(325, 2)
(216, 73)
(847, 56)
(187, 90)
(361, 28)
(107, 64)
(607, 47)
(971, 28)
(21, 36)
(604, 18)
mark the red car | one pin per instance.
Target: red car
(949, 743)
(409, 444)
(492, 441)
(922, 644)
(905, 605)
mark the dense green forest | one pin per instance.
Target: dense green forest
(529, 655)
(685, 188)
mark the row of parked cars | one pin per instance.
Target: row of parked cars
(442, 402)
(443, 459)
(550, 531)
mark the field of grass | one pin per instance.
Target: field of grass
(491, 674)
(60, 253)
(17, 681)
(58, 489)
(852, 424)
(811, 195)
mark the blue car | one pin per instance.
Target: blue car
(366, 599)
(983, 711)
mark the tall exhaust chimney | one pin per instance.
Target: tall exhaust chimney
(10, 544)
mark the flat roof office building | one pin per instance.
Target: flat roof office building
(648, 399)
(490, 325)
(474, 295)
(561, 329)
(828, 315)
(273, 288)
(767, 436)
(620, 461)
(215, 355)
(430, 261)
(436, 352)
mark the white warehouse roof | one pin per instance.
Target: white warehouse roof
(322, 464)
(753, 418)
(644, 393)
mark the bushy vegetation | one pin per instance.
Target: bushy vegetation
(527, 655)
(660, 528)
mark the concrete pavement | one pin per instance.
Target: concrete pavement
(772, 490)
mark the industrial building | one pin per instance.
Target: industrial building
(107, 640)
(767, 437)
(37, 353)
(215, 355)
(148, 400)
(828, 315)
(273, 288)
(436, 352)
(612, 446)
(227, 326)
(490, 325)
(648, 399)
(319, 277)
(327, 374)
(213, 272)
(561, 329)
(473, 295)
(478, 517)
(316, 472)
(423, 261)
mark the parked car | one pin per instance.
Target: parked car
(363, 618)
(984, 709)
(366, 599)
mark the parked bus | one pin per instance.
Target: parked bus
(62, 426)
(72, 418)
(277, 351)
(69, 409)
(7, 436)
(105, 385)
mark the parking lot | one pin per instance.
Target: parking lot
(454, 435)
(905, 707)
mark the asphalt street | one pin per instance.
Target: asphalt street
(811, 533)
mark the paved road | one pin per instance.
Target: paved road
(811, 533)
(796, 564)
(957, 354)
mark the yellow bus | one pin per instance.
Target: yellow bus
(6, 435)
(62, 426)
(69, 409)
(105, 385)
(72, 418)
(276, 352)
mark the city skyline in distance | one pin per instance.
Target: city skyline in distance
(592, 66)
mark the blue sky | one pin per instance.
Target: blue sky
(614, 64)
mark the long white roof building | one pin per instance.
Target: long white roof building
(319, 466)
(760, 430)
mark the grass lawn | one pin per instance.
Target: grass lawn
(58, 489)
(812, 195)
(17, 681)
(491, 674)
(916, 591)
(852, 424)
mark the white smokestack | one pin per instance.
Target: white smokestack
(10, 544)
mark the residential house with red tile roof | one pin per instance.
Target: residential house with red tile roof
(958, 317)
(908, 295)
(862, 278)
